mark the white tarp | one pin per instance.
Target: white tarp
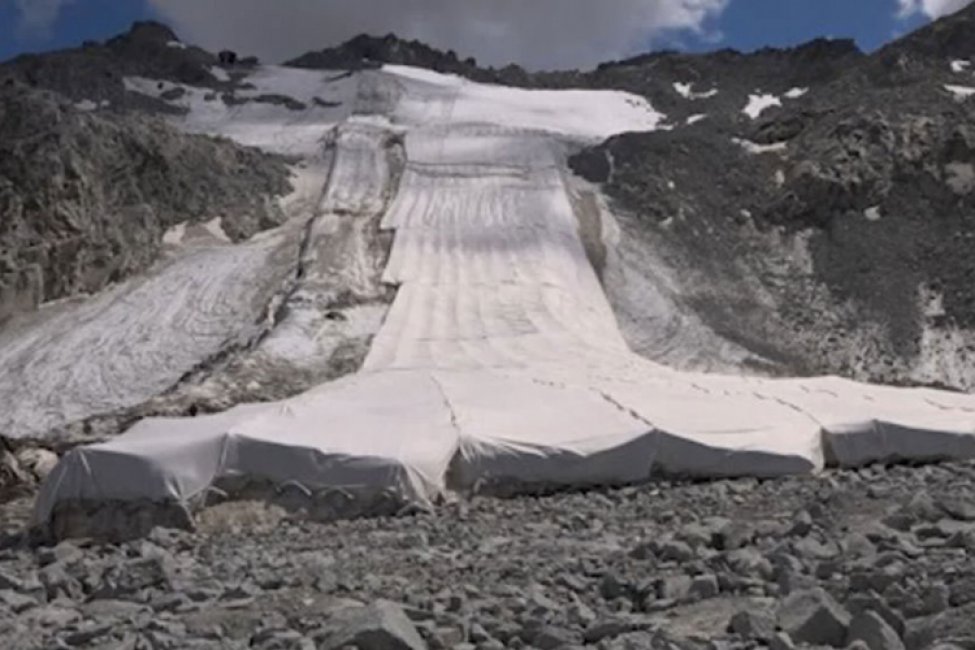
(500, 363)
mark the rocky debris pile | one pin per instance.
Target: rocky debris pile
(877, 558)
(86, 198)
(837, 221)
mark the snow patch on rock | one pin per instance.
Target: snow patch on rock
(961, 93)
(758, 104)
(686, 91)
(755, 148)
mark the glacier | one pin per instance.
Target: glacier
(500, 365)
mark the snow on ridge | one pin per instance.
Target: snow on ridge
(960, 65)
(686, 91)
(176, 45)
(694, 119)
(220, 74)
(588, 114)
(960, 92)
(755, 148)
(758, 104)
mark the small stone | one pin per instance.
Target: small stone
(813, 616)
(611, 588)
(550, 638)
(733, 535)
(750, 563)
(802, 525)
(874, 632)
(958, 508)
(16, 602)
(813, 549)
(705, 586)
(674, 587)
(606, 629)
(66, 552)
(53, 616)
(675, 551)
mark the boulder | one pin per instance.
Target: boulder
(872, 630)
(382, 625)
(813, 616)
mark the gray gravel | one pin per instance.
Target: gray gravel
(876, 558)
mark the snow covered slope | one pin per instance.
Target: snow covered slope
(499, 364)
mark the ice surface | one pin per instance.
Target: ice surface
(796, 93)
(758, 104)
(500, 362)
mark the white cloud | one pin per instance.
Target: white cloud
(534, 33)
(37, 17)
(930, 8)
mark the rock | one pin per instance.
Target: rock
(813, 616)
(66, 552)
(133, 576)
(39, 462)
(753, 625)
(611, 587)
(802, 524)
(733, 535)
(550, 638)
(113, 609)
(871, 602)
(871, 629)
(958, 508)
(750, 563)
(703, 587)
(17, 603)
(58, 582)
(606, 629)
(675, 551)
(781, 641)
(380, 626)
(53, 616)
(674, 588)
(813, 549)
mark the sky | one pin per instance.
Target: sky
(534, 33)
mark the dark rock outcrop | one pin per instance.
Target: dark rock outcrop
(838, 224)
(86, 198)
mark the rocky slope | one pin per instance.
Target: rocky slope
(829, 232)
(86, 198)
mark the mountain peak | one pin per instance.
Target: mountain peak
(150, 30)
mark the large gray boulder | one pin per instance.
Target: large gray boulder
(813, 616)
(382, 625)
